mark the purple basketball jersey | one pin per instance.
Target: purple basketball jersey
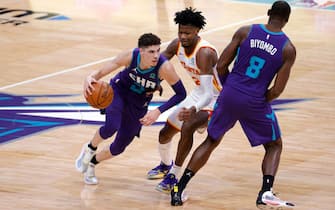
(258, 60)
(134, 83)
(133, 89)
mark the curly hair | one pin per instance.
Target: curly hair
(190, 16)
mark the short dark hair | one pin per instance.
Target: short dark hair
(148, 39)
(280, 9)
(190, 16)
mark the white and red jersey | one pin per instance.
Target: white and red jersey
(189, 62)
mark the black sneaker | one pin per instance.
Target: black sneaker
(176, 199)
(259, 199)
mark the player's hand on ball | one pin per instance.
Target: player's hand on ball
(88, 87)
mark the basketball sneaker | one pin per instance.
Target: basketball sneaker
(159, 171)
(89, 176)
(177, 197)
(268, 200)
(167, 183)
(84, 158)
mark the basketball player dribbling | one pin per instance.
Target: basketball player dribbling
(133, 89)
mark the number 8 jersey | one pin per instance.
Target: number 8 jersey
(258, 60)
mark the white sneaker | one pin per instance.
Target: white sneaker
(269, 201)
(84, 158)
(184, 196)
(89, 176)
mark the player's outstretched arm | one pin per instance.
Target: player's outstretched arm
(168, 73)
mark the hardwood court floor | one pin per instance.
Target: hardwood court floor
(48, 57)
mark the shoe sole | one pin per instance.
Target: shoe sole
(160, 189)
(91, 183)
(158, 176)
(266, 207)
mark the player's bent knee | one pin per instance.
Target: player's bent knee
(213, 141)
(274, 145)
(166, 134)
(278, 144)
(121, 142)
(189, 127)
(116, 150)
(105, 133)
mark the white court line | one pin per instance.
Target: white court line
(110, 58)
(233, 24)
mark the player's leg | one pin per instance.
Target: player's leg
(198, 160)
(164, 148)
(170, 129)
(111, 125)
(105, 153)
(223, 119)
(261, 127)
(129, 128)
(266, 199)
(271, 158)
(165, 142)
(117, 147)
(184, 147)
(186, 136)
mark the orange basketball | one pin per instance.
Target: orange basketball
(102, 95)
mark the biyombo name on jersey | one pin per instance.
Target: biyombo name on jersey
(260, 44)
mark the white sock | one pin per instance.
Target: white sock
(164, 152)
(175, 170)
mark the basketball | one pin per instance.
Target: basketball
(101, 96)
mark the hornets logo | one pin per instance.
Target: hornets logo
(22, 116)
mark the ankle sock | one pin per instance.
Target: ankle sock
(94, 160)
(92, 147)
(188, 174)
(164, 152)
(267, 183)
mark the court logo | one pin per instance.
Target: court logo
(18, 17)
(21, 116)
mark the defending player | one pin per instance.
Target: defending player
(262, 52)
(198, 57)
